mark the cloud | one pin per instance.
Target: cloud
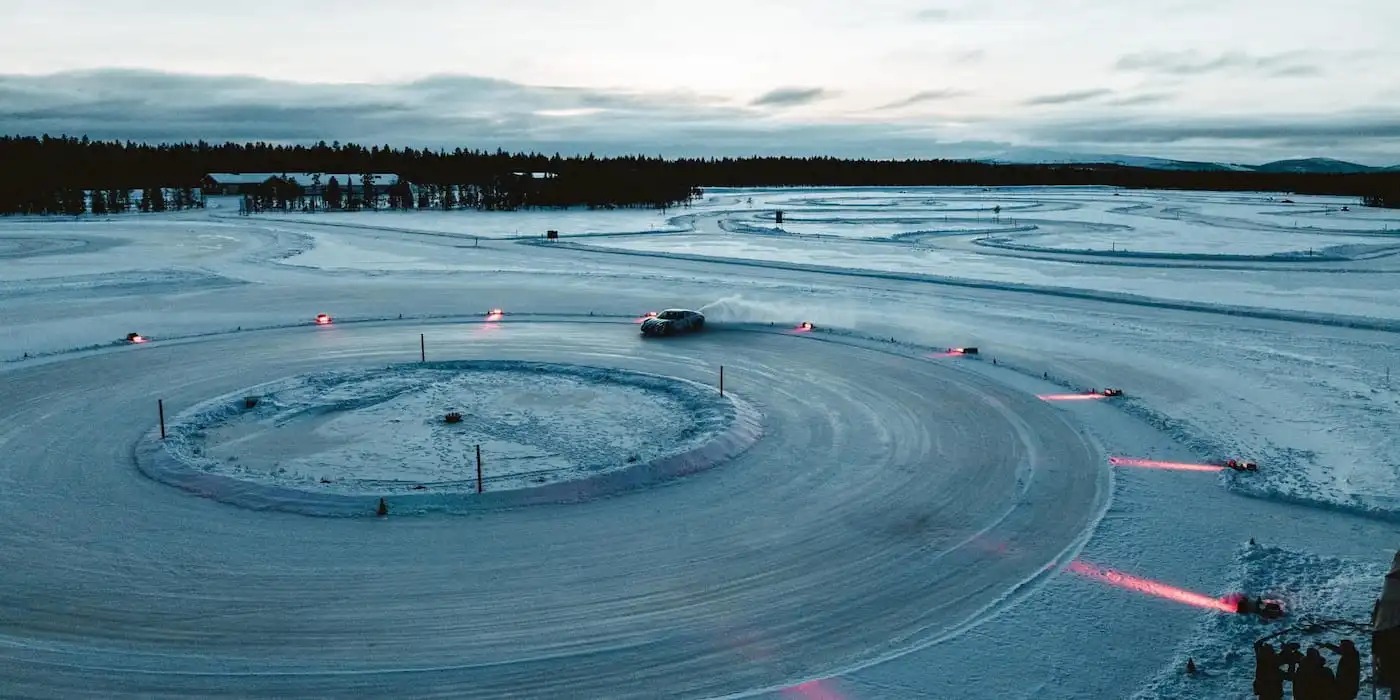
(926, 96)
(1146, 98)
(967, 57)
(452, 111)
(790, 97)
(932, 14)
(1183, 63)
(1068, 97)
(1299, 71)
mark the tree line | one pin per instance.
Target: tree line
(70, 175)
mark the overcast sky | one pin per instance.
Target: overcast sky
(1238, 80)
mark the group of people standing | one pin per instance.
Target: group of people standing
(1312, 678)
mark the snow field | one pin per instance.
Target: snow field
(823, 558)
(382, 432)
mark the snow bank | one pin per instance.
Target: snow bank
(1286, 474)
(1328, 599)
(334, 443)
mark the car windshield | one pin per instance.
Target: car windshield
(671, 315)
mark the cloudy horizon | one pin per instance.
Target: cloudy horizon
(1239, 81)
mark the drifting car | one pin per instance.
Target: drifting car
(323, 319)
(135, 338)
(1112, 392)
(673, 322)
(962, 351)
(1242, 465)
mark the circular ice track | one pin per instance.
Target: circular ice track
(892, 500)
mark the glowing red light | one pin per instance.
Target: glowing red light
(804, 327)
(494, 315)
(1069, 397)
(137, 339)
(1154, 588)
(1158, 464)
(816, 690)
(323, 319)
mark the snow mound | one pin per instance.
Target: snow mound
(333, 443)
(1328, 599)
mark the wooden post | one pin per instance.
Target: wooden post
(422, 349)
(160, 406)
(721, 380)
(478, 468)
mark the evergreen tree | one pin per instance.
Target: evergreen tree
(39, 170)
(73, 201)
(367, 190)
(333, 194)
(99, 203)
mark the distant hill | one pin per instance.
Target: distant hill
(1041, 156)
(1315, 165)
(1037, 156)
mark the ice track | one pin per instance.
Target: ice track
(883, 507)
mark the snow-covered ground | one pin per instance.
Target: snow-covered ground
(496, 224)
(383, 432)
(909, 524)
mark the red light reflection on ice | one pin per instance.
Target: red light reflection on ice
(1158, 464)
(1069, 397)
(1154, 588)
(815, 690)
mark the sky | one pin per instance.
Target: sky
(1219, 80)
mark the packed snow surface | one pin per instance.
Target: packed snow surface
(385, 431)
(880, 519)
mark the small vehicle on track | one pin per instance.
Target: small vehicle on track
(1112, 392)
(673, 322)
(323, 319)
(135, 338)
(1242, 465)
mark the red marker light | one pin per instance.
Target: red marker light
(137, 339)
(1161, 590)
(804, 326)
(494, 314)
(323, 319)
(1157, 464)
